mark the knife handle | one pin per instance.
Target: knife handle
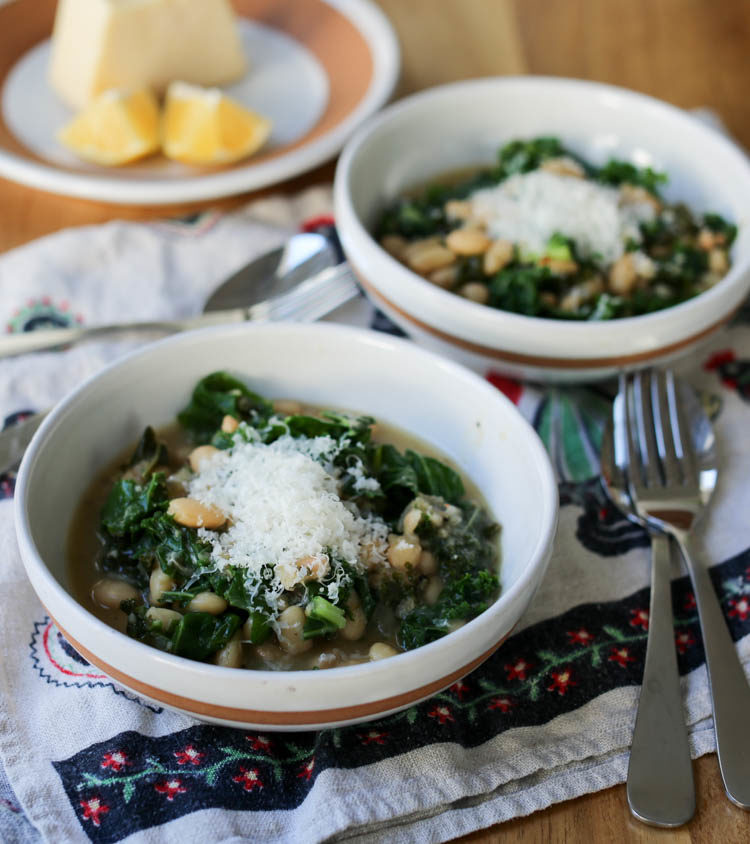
(660, 785)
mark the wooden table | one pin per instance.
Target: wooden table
(689, 52)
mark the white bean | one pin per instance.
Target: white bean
(497, 256)
(167, 618)
(430, 257)
(427, 563)
(355, 626)
(402, 551)
(412, 520)
(467, 241)
(432, 590)
(291, 624)
(229, 424)
(475, 291)
(230, 656)
(208, 602)
(191, 513)
(198, 457)
(159, 582)
(380, 650)
(111, 593)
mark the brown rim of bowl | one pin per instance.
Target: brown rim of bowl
(321, 28)
(535, 360)
(298, 719)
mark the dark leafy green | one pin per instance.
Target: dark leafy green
(616, 172)
(219, 395)
(198, 635)
(128, 503)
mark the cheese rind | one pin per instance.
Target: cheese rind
(131, 44)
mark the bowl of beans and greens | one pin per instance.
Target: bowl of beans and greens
(550, 228)
(256, 505)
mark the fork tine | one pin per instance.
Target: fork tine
(644, 424)
(634, 465)
(663, 428)
(681, 432)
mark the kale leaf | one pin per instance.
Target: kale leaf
(524, 156)
(516, 288)
(718, 224)
(616, 172)
(402, 476)
(128, 503)
(461, 599)
(219, 395)
(197, 635)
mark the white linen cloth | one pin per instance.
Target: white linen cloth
(127, 271)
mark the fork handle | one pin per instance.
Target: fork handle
(730, 692)
(660, 774)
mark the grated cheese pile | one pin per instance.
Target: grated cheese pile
(284, 509)
(529, 208)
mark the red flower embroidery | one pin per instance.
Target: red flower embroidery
(510, 388)
(684, 640)
(260, 743)
(459, 689)
(639, 618)
(518, 670)
(560, 681)
(189, 756)
(116, 760)
(442, 713)
(92, 808)
(170, 788)
(249, 779)
(689, 602)
(316, 222)
(580, 637)
(306, 772)
(504, 704)
(621, 656)
(740, 608)
(719, 359)
(373, 737)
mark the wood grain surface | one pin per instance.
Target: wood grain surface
(689, 52)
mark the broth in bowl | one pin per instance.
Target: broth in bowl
(281, 536)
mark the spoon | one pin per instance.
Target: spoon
(272, 274)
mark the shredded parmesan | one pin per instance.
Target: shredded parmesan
(529, 208)
(284, 511)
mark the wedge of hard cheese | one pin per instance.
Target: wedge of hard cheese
(103, 44)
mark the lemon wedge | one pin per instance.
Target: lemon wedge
(204, 126)
(118, 127)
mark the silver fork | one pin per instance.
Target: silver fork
(660, 786)
(670, 450)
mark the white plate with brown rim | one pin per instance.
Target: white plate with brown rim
(317, 69)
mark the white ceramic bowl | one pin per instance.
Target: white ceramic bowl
(464, 124)
(329, 365)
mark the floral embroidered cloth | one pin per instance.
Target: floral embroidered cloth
(547, 718)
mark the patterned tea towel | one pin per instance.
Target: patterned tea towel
(547, 718)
